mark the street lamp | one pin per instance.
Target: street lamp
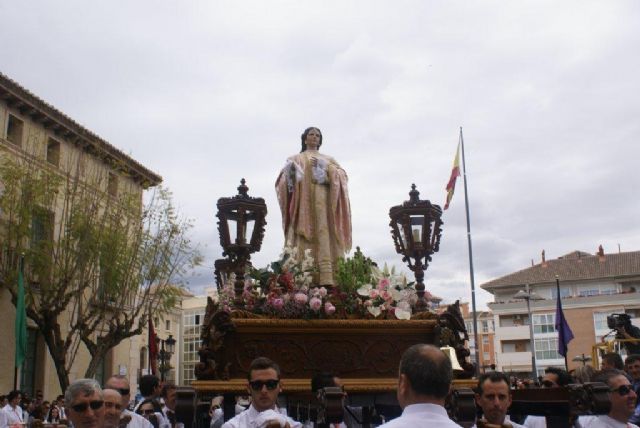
(167, 348)
(528, 296)
(416, 227)
(584, 359)
(241, 221)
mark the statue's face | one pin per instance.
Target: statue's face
(313, 139)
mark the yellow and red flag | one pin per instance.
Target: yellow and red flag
(455, 173)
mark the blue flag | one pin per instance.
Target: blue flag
(565, 335)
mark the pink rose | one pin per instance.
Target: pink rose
(301, 298)
(315, 304)
(386, 295)
(277, 303)
(374, 293)
(383, 284)
(323, 292)
(329, 309)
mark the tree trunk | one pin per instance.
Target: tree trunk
(57, 351)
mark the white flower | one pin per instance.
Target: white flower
(365, 290)
(401, 314)
(374, 310)
(395, 294)
(403, 311)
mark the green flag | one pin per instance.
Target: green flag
(21, 321)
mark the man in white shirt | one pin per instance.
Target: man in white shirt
(85, 404)
(121, 384)
(12, 411)
(264, 386)
(112, 408)
(554, 377)
(494, 398)
(623, 402)
(423, 385)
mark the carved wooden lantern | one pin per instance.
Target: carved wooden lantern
(416, 226)
(241, 221)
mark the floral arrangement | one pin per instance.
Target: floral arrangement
(285, 290)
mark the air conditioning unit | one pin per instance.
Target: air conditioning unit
(517, 317)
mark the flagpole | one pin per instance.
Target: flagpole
(473, 284)
(21, 275)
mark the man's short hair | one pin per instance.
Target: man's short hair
(564, 378)
(614, 359)
(13, 394)
(428, 370)
(82, 387)
(147, 384)
(493, 377)
(263, 363)
(166, 388)
(605, 376)
(632, 359)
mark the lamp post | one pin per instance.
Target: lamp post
(584, 359)
(167, 348)
(416, 227)
(528, 296)
(241, 221)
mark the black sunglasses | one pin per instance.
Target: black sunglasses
(123, 391)
(622, 390)
(271, 384)
(548, 384)
(82, 407)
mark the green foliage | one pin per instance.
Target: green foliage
(112, 262)
(354, 272)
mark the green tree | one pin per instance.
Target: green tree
(96, 266)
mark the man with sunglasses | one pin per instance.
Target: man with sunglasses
(263, 384)
(623, 400)
(554, 377)
(121, 384)
(86, 404)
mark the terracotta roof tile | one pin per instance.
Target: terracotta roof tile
(10, 89)
(574, 266)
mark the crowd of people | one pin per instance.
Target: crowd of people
(88, 404)
(424, 382)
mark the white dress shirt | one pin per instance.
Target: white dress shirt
(424, 415)
(507, 420)
(248, 418)
(602, 421)
(137, 421)
(13, 416)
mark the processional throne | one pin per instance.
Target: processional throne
(363, 352)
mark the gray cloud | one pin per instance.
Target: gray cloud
(207, 93)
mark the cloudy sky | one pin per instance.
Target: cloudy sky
(205, 93)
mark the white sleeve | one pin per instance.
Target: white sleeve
(320, 171)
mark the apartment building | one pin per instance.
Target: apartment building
(486, 337)
(591, 288)
(33, 131)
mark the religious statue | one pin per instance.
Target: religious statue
(313, 197)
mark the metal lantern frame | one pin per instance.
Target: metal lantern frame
(416, 228)
(240, 209)
(167, 349)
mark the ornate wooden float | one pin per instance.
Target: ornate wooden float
(364, 353)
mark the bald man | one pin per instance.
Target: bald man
(112, 408)
(121, 384)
